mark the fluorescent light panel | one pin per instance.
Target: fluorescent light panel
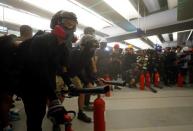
(175, 36)
(166, 37)
(3, 29)
(20, 18)
(138, 43)
(172, 3)
(124, 8)
(154, 39)
(85, 17)
(152, 5)
(17, 17)
(14, 32)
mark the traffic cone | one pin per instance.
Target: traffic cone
(180, 80)
(147, 80)
(156, 79)
(99, 118)
(142, 81)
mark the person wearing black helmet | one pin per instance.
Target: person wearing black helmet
(89, 30)
(80, 68)
(44, 55)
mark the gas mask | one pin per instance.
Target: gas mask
(66, 34)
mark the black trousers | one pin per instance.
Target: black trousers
(35, 108)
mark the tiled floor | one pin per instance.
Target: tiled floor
(171, 109)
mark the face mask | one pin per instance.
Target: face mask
(69, 37)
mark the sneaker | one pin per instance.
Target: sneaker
(83, 117)
(88, 108)
(118, 88)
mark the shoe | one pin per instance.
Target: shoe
(118, 88)
(83, 117)
(88, 108)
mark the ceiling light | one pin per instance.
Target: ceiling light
(172, 3)
(152, 5)
(154, 39)
(20, 18)
(85, 16)
(166, 37)
(175, 36)
(3, 29)
(124, 8)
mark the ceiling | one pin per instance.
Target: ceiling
(148, 22)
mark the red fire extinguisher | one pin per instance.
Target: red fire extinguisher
(147, 80)
(180, 80)
(156, 79)
(142, 81)
(99, 118)
(68, 124)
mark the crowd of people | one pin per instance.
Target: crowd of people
(130, 64)
(33, 68)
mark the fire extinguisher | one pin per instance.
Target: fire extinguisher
(180, 80)
(99, 118)
(142, 81)
(68, 124)
(147, 80)
(156, 79)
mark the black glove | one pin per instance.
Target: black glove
(56, 112)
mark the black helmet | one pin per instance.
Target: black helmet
(89, 30)
(89, 41)
(60, 16)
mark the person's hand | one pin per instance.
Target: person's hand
(56, 112)
(101, 81)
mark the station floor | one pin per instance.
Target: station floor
(171, 109)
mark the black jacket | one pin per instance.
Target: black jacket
(80, 65)
(42, 58)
